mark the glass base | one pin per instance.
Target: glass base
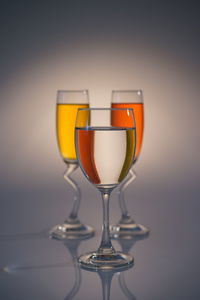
(127, 228)
(71, 231)
(105, 262)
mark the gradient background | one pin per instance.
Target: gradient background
(101, 46)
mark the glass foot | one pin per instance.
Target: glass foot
(71, 231)
(127, 228)
(101, 261)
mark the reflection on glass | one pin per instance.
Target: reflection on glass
(105, 151)
(127, 244)
(68, 103)
(106, 277)
(124, 287)
(129, 99)
(72, 246)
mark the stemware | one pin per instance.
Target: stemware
(68, 103)
(105, 145)
(129, 99)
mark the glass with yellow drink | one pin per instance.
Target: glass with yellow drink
(68, 103)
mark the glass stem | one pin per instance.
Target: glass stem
(106, 245)
(77, 197)
(131, 176)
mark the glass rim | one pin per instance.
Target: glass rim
(73, 91)
(127, 96)
(127, 91)
(105, 108)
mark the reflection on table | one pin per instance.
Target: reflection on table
(72, 248)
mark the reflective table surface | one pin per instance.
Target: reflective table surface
(32, 266)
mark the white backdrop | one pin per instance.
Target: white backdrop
(29, 152)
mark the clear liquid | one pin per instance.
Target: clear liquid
(105, 153)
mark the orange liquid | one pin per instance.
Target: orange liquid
(85, 139)
(138, 109)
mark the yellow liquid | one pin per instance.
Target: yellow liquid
(65, 124)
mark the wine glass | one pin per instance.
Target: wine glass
(129, 99)
(68, 103)
(105, 147)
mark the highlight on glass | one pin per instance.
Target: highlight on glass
(105, 147)
(68, 103)
(126, 227)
